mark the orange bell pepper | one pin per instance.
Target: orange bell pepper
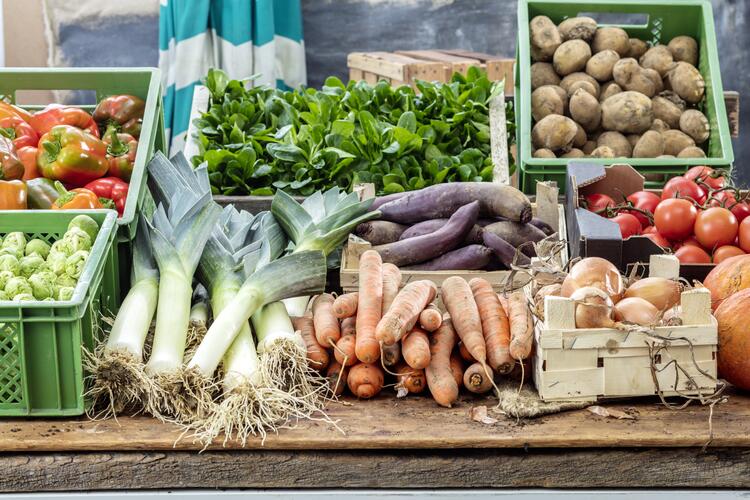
(75, 199)
(7, 110)
(56, 114)
(13, 195)
(27, 156)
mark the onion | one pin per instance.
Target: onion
(672, 316)
(593, 308)
(662, 293)
(596, 272)
(636, 310)
(545, 291)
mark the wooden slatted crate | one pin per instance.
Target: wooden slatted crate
(600, 363)
(405, 67)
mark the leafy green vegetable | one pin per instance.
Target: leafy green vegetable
(17, 285)
(65, 293)
(15, 240)
(42, 284)
(31, 264)
(9, 263)
(56, 261)
(86, 223)
(257, 140)
(39, 247)
(75, 263)
(78, 239)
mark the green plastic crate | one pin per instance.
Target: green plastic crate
(41, 371)
(665, 20)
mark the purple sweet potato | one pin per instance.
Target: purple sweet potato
(515, 233)
(382, 200)
(428, 246)
(442, 200)
(430, 226)
(540, 224)
(379, 232)
(462, 259)
(504, 251)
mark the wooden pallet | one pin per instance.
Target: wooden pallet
(405, 67)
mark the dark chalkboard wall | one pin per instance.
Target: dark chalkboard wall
(333, 28)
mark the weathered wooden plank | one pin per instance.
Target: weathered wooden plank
(732, 103)
(561, 468)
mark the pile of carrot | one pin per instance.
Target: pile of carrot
(386, 330)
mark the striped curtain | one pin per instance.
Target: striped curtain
(242, 37)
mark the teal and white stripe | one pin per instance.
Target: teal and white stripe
(242, 37)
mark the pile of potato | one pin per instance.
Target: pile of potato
(598, 93)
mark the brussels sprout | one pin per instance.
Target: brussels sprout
(31, 264)
(4, 277)
(12, 251)
(65, 280)
(9, 263)
(15, 240)
(75, 263)
(17, 285)
(3, 295)
(48, 299)
(62, 246)
(78, 239)
(39, 247)
(87, 224)
(56, 261)
(65, 293)
(43, 284)
(23, 296)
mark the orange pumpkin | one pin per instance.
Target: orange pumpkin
(734, 339)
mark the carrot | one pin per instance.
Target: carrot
(521, 326)
(317, 356)
(462, 308)
(415, 348)
(404, 312)
(495, 327)
(336, 375)
(391, 285)
(476, 379)
(410, 379)
(348, 326)
(521, 370)
(365, 380)
(391, 354)
(345, 306)
(457, 369)
(344, 350)
(503, 302)
(430, 319)
(369, 307)
(465, 354)
(440, 381)
(327, 329)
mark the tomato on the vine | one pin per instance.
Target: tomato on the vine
(689, 254)
(724, 199)
(712, 178)
(629, 225)
(674, 218)
(598, 202)
(715, 227)
(643, 200)
(741, 210)
(680, 187)
(744, 235)
(725, 252)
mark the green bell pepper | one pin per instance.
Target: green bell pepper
(41, 193)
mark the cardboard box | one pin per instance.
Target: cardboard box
(591, 235)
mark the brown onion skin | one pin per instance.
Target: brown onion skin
(662, 293)
(734, 339)
(728, 277)
(636, 310)
(593, 308)
(596, 272)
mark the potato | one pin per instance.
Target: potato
(588, 147)
(542, 74)
(684, 48)
(695, 124)
(627, 112)
(600, 64)
(554, 132)
(543, 153)
(545, 39)
(675, 141)
(585, 86)
(666, 157)
(687, 82)
(609, 89)
(573, 78)
(637, 48)
(658, 58)
(578, 28)
(667, 111)
(585, 110)
(633, 139)
(580, 139)
(603, 152)
(617, 142)
(650, 145)
(692, 152)
(659, 125)
(611, 38)
(571, 56)
(547, 100)
(657, 80)
(573, 153)
(630, 76)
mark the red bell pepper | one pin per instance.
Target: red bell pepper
(75, 199)
(121, 151)
(111, 188)
(57, 114)
(72, 156)
(21, 133)
(125, 111)
(10, 165)
(27, 155)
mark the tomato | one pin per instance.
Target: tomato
(723, 199)
(723, 253)
(644, 200)
(598, 202)
(689, 254)
(629, 225)
(680, 187)
(713, 178)
(715, 227)
(649, 230)
(657, 238)
(744, 235)
(674, 218)
(741, 210)
(691, 241)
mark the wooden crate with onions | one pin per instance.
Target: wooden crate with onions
(599, 363)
